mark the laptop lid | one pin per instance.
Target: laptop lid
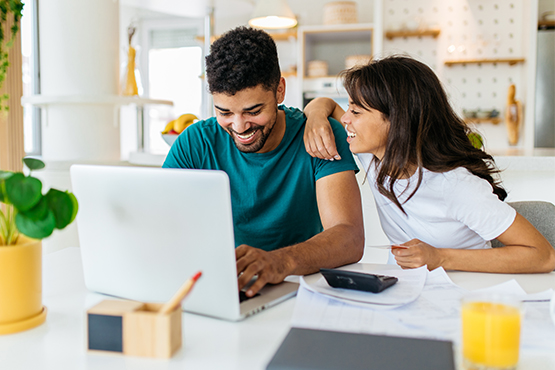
(145, 231)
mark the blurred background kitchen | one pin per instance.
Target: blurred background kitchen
(496, 59)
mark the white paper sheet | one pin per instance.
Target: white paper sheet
(407, 289)
(435, 314)
(386, 246)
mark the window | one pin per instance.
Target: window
(174, 74)
(175, 61)
(31, 83)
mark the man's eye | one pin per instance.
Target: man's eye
(225, 114)
(354, 112)
(254, 113)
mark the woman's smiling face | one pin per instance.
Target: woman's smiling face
(367, 130)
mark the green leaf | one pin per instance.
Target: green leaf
(33, 163)
(75, 206)
(476, 140)
(38, 212)
(23, 192)
(36, 229)
(3, 176)
(61, 205)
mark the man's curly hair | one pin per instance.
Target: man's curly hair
(242, 58)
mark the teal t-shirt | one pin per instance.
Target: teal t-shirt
(273, 195)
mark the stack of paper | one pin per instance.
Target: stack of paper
(434, 313)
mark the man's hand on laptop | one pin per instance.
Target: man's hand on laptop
(270, 267)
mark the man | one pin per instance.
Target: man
(282, 197)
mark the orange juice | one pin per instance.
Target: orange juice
(491, 334)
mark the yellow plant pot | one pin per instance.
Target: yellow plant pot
(21, 286)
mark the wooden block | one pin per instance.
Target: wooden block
(115, 308)
(134, 328)
(105, 324)
(147, 333)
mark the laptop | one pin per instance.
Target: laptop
(144, 231)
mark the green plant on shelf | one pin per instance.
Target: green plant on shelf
(476, 140)
(25, 210)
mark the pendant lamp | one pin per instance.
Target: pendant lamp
(273, 14)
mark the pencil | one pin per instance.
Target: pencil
(179, 295)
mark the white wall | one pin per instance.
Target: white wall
(470, 30)
(545, 6)
(308, 12)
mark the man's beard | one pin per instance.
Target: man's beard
(254, 147)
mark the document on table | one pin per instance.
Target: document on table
(537, 328)
(435, 314)
(424, 317)
(407, 289)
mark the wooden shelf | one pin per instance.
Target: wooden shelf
(546, 24)
(45, 100)
(494, 120)
(282, 36)
(316, 77)
(390, 35)
(511, 61)
(283, 74)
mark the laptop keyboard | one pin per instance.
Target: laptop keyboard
(243, 296)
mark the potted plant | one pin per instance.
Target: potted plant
(26, 216)
(14, 8)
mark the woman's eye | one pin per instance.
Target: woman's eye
(225, 114)
(354, 112)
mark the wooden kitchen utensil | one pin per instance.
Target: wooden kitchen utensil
(513, 116)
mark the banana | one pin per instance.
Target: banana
(168, 127)
(183, 122)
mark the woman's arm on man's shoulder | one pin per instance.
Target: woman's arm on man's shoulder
(319, 140)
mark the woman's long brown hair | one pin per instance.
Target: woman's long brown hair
(424, 130)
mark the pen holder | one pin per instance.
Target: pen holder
(134, 329)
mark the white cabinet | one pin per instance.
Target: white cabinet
(331, 44)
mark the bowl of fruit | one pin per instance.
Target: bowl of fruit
(177, 126)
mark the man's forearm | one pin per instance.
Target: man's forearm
(337, 246)
(342, 241)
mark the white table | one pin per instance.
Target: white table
(209, 343)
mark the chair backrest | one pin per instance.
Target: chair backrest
(540, 214)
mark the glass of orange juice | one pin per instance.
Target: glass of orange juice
(490, 331)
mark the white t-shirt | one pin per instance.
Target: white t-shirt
(454, 209)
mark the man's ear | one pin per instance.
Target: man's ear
(280, 93)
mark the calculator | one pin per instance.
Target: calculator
(357, 280)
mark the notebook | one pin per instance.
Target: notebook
(327, 350)
(144, 231)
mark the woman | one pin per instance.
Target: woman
(436, 194)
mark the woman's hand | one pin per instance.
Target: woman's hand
(319, 140)
(416, 253)
(525, 251)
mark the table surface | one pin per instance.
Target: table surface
(208, 343)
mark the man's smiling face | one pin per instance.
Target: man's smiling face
(249, 117)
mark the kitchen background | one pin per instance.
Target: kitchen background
(466, 30)
(478, 48)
